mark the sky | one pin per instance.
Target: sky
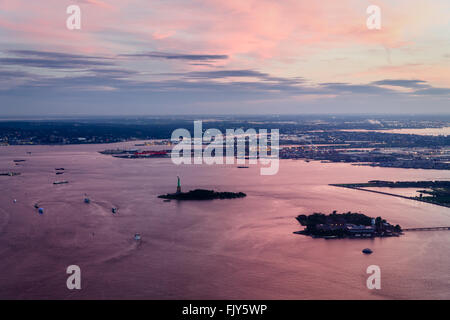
(149, 57)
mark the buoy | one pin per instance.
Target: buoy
(41, 211)
(14, 200)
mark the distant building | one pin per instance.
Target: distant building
(360, 231)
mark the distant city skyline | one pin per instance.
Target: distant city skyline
(223, 57)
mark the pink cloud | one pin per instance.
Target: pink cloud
(260, 28)
(253, 33)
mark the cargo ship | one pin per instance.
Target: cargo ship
(144, 154)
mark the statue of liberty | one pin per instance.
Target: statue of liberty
(178, 185)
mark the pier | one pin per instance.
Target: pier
(350, 186)
(427, 229)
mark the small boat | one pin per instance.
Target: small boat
(137, 237)
(87, 200)
(242, 167)
(59, 172)
(367, 251)
(36, 206)
(330, 237)
(167, 200)
(114, 210)
(41, 211)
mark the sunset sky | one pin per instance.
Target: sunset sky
(230, 56)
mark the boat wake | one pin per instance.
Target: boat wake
(4, 219)
(121, 255)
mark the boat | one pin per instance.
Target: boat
(114, 210)
(242, 167)
(137, 237)
(10, 174)
(87, 200)
(60, 182)
(367, 251)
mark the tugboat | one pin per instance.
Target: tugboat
(367, 251)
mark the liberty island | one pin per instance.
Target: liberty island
(200, 194)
